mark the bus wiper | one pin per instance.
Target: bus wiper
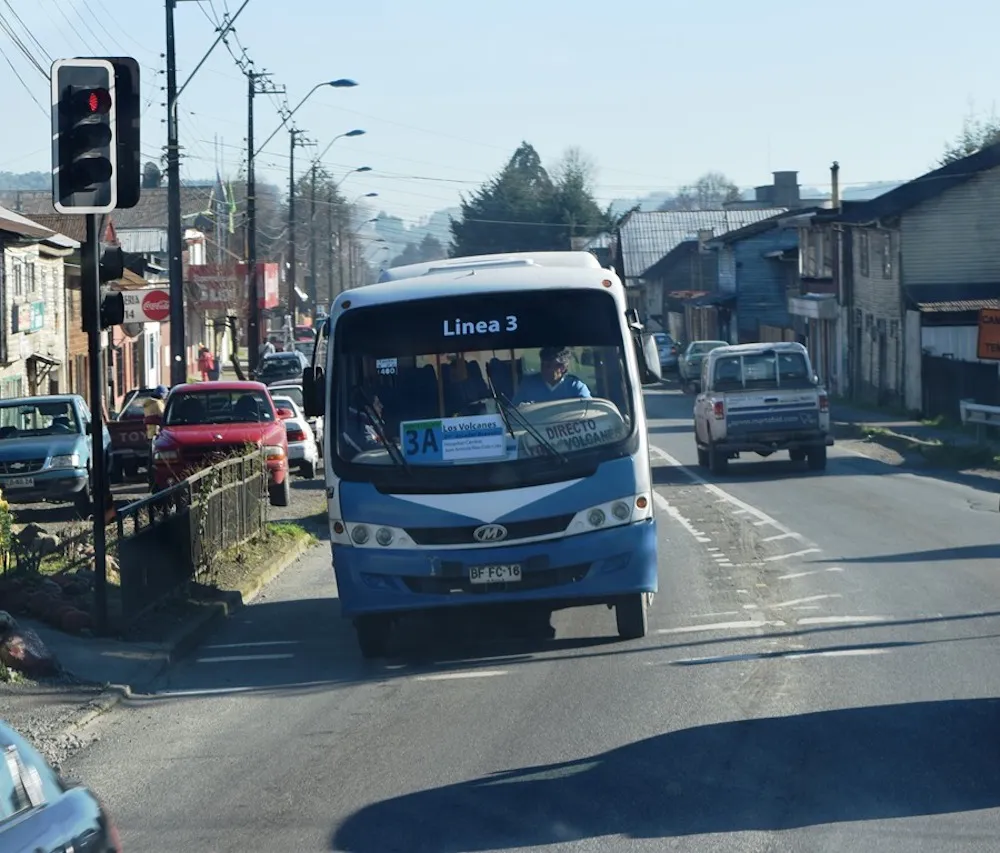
(508, 409)
(368, 407)
(500, 406)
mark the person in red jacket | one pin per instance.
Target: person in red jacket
(206, 362)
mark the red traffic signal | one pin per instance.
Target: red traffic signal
(98, 101)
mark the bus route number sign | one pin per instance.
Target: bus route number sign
(468, 439)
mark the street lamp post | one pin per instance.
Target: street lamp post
(342, 83)
(340, 228)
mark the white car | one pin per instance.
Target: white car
(302, 451)
(295, 392)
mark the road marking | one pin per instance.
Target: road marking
(235, 658)
(801, 553)
(807, 574)
(836, 653)
(452, 676)
(777, 537)
(748, 509)
(740, 625)
(250, 645)
(795, 601)
(224, 691)
(676, 514)
(839, 620)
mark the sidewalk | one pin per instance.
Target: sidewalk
(855, 415)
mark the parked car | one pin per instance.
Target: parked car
(689, 365)
(294, 390)
(667, 348)
(302, 451)
(45, 450)
(129, 444)
(40, 812)
(282, 367)
(207, 421)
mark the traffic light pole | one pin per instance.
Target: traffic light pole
(253, 304)
(91, 291)
(175, 234)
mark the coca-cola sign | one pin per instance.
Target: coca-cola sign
(148, 305)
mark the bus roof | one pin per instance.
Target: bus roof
(584, 260)
(462, 281)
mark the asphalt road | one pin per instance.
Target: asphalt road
(820, 675)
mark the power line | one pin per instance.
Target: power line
(31, 35)
(20, 45)
(20, 79)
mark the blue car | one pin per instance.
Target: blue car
(45, 450)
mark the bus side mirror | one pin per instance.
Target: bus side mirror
(314, 392)
(648, 355)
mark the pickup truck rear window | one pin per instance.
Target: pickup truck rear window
(762, 370)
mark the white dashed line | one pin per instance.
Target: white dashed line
(741, 625)
(811, 598)
(777, 537)
(252, 645)
(762, 518)
(453, 676)
(801, 553)
(234, 658)
(840, 620)
(807, 574)
(835, 653)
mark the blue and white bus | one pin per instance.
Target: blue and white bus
(486, 441)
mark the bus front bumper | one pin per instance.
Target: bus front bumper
(592, 568)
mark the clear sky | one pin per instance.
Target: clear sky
(654, 91)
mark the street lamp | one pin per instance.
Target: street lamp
(349, 135)
(352, 172)
(342, 83)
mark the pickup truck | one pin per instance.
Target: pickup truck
(761, 398)
(45, 450)
(207, 421)
(129, 444)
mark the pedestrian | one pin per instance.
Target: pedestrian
(266, 348)
(206, 362)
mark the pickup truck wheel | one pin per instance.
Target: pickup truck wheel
(117, 471)
(308, 469)
(631, 616)
(817, 459)
(718, 462)
(702, 457)
(373, 636)
(797, 455)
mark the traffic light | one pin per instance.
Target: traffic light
(95, 134)
(111, 267)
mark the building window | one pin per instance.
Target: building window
(31, 277)
(119, 358)
(11, 387)
(894, 328)
(887, 255)
(864, 252)
(17, 273)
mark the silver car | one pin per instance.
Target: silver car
(689, 364)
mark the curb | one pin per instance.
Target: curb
(187, 638)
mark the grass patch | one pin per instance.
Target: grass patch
(936, 454)
(241, 564)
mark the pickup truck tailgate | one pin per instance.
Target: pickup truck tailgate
(771, 412)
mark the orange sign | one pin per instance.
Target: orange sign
(989, 333)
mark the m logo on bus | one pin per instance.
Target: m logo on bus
(490, 533)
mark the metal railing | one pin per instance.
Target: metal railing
(980, 415)
(177, 535)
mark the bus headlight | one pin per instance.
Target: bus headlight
(383, 536)
(612, 514)
(359, 534)
(369, 535)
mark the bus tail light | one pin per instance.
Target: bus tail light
(719, 409)
(824, 403)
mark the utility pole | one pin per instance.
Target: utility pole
(296, 140)
(313, 289)
(175, 234)
(329, 249)
(256, 85)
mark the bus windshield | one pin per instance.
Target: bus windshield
(475, 380)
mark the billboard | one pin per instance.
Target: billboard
(223, 287)
(988, 345)
(146, 305)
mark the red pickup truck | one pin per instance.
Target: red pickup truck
(205, 421)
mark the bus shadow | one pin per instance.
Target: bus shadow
(771, 774)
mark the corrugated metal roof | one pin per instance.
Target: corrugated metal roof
(143, 241)
(957, 306)
(14, 223)
(648, 235)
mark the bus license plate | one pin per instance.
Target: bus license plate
(506, 573)
(19, 482)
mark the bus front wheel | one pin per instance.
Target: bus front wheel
(373, 635)
(631, 616)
